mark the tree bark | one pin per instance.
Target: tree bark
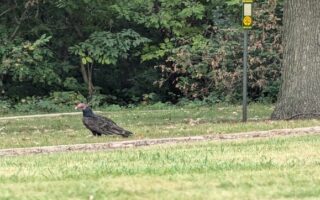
(90, 82)
(299, 95)
(86, 72)
(1, 85)
(83, 72)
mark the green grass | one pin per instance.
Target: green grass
(145, 123)
(279, 168)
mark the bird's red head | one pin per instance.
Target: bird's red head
(81, 106)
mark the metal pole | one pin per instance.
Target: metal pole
(245, 76)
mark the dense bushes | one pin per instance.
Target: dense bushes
(54, 53)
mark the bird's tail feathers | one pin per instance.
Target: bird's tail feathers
(122, 132)
(126, 133)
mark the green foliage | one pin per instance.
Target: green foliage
(71, 83)
(4, 107)
(108, 48)
(163, 14)
(66, 98)
(150, 98)
(32, 104)
(232, 2)
(208, 65)
(97, 100)
(56, 102)
(30, 61)
(156, 50)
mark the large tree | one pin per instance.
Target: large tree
(299, 95)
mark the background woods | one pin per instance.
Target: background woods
(129, 52)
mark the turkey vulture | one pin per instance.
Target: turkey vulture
(98, 124)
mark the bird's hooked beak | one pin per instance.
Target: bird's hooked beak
(77, 107)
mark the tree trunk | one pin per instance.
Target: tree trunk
(299, 95)
(86, 72)
(90, 82)
(1, 85)
(83, 72)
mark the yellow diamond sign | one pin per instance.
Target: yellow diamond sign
(247, 21)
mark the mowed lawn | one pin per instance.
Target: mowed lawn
(278, 168)
(145, 122)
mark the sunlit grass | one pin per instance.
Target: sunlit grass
(281, 168)
(145, 123)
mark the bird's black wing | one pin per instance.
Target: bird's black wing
(91, 124)
(102, 125)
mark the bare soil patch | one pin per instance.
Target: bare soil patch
(149, 142)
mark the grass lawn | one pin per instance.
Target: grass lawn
(144, 122)
(278, 168)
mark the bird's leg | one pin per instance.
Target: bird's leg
(95, 133)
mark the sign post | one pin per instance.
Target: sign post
(246, 24)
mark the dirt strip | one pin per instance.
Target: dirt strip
(149, 142)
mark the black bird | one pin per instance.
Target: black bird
(98, 124)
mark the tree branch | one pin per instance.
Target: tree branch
(8, 10)
(22, 18)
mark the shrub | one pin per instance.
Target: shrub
(66, 98)
(4, 107)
